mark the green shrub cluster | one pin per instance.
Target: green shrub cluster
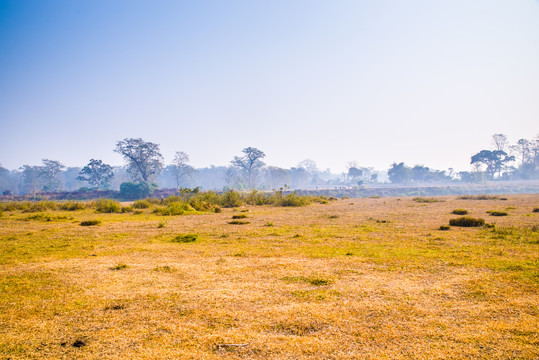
(72, 205)
(460, 212)
(107, 206)
(141, 204)
(496, 213)
(467, 221)
(185, 238)
(90, 222)
(479, 197)
(426, 200)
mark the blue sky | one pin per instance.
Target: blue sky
(424, 82)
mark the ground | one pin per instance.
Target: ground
(371, 278)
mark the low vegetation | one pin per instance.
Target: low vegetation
(467, 221)
(480, 197)
(460, 212)
(90, 222)
(378, 281)
(426, 200)
(497, 213)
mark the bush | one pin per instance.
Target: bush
(141, 204)
(293, 200)
(232, 198)
(240, 216)
(459, 212)
(72, 206)
(132, 191)
(479, 197)
(217, 210)
(238, 222)
(467, 221)
(185, 238)
(445, 227)
(107, 206)
(426, 200)
(172, 209)
(496, 213)
(90, 222)
(126, 209)
(535, 210)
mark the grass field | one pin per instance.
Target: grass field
(370, 278)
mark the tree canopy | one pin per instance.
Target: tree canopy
(143, 158)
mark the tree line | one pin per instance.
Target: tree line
(145, 170)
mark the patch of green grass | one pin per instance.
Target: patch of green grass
(48, 217)
(119, 267)
(238, 222)
(480, 197)
(240, 216)
(496, 213)
(90, 222)
(426, 200)
(467, 221)
(313, 280)
(459, 212)
(185, 238)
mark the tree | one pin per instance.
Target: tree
(309, 165)
(180, 167)
(144, 160)
(49, 172)
(399, 173)
(495, 161)
(249, 163)
(276, 177)
(96, 173)
(354, 173)
(32, 178)
(523, 149)
(500, 141)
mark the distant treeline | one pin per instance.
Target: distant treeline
(145, 172)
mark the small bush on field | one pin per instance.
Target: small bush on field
(240, 216)
(238, 222)
(269, 224)
(72, 206)
(459, 212)
(161, 225)
(293, 200)
(426, 200)
(445, 227)
(232, 198)
(496, 213)
(90, 222)
(126, 209)
(137, 212)
(119, 267)
(173, 209)
(186, 238)
(107, 206)
(479, 197)
(535, 210)
(39, 206)
(257, 198)
(141, 204)
(467, 221)
(217, 210)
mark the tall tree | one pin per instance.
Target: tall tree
(143, 158)
(495, 161)
(32, 178)
(181, 168)
(49, 172)
(96, 173)
(399, 173)
(249, 163)
(523, 149)
(500, 141)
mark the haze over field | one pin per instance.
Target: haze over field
(377, 82)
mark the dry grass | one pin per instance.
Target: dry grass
(353, 279)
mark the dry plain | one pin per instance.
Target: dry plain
(371, 278)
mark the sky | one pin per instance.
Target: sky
(376, 82)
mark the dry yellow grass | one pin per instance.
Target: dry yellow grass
(353, 279)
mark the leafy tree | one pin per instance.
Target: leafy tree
(144, 160)
(399, 173)
(309, 165)
(276, 176)
(523, 149)
(132, 191)
(181, 169)
(49, 172)
(96, 173)
(32, 178)
(249, 163)
(495, 161)
(355, 173)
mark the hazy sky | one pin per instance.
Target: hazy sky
(420, 81)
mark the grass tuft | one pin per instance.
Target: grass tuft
(467, 221)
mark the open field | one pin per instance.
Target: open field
(371, 278)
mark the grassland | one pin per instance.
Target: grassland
(351, 279)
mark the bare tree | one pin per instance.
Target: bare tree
(144, 160)
(49, 172)
(500, 141)
(181, 169)
(249, 163)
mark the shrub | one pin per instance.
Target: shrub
(293, 200)
(173, 209)
(232, 198)
(130, 190)
(72, 206)
(217, 210)
(90, 222)
(535, 210)
(269, 224)
(107, 206)
(445, 227)
(238, 222)
(119, 267)
(186, 238)
(467, 221)
(426, 200)
(240, 216)
(496, 213)
(141, 204)
(161, 225)
(479, 197)
(126, 209)
(48, 217)
(459, 212)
